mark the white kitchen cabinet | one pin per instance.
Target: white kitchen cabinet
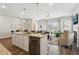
(43, 45)
(21, 41)
(14, 41)
(26, 43)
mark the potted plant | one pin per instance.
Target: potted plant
(58, 33)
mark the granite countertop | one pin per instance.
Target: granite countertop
(4, 51)
(31, 34)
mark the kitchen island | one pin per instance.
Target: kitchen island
(33, 43)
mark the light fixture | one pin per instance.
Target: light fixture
(23, 21)
(37, 18)
(3, 6)
(23, 13)
(37, 11)
(50, 4)
(48, 15)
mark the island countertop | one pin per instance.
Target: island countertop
(31, 34)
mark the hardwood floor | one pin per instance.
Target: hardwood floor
(13, 49)
(68, 51)
(17, 51)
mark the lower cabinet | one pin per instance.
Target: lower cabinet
(26, 43)
(15, 40)
(21, 41)
(33, 45)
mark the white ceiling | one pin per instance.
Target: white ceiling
(56, 10)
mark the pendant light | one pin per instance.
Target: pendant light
(37, 11)
(23, 14)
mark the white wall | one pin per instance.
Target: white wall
(7, 24)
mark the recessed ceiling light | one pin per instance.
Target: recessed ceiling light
(23, 21)
(3, 6)
(50, 4)
(37, 18)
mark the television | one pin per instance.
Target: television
(75, 19)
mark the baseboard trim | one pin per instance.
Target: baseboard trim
(5, 37)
